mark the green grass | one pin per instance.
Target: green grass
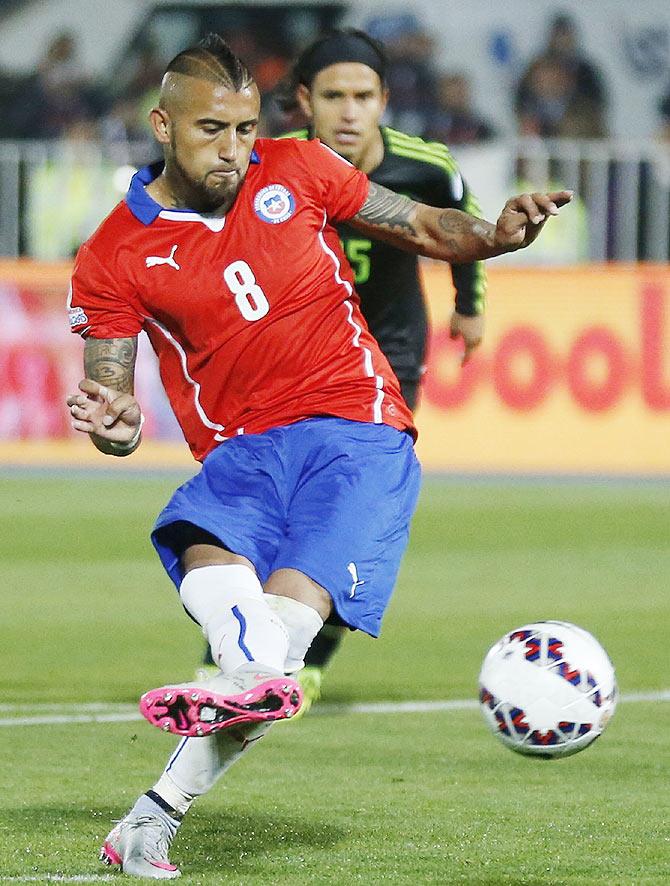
(427, 798)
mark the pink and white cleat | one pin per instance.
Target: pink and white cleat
(248, 695)
(139, 844)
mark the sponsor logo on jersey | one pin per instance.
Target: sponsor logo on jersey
(274, 204)
(77, 316)
(153, 260)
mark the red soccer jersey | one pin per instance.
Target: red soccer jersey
(253, 321)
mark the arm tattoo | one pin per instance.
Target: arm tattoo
(388, 210)
(446, 234)
(458, 227)
(460, 223)
(452, 224)
(111, 361)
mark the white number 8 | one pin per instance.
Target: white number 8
(249, 297)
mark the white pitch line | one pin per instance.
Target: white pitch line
(55, 719)
(659, 695)
(60, 878)
(397, 707)
(103, 706)
(119, 713)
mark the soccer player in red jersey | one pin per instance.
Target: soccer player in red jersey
(226, 257)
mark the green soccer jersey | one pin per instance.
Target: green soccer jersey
(387, 278)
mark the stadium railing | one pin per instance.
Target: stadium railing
(624, 186)
(53, 194)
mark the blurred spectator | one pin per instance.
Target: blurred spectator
(561, 93)
(11, 98)
(125, 131)
(140, 72)
(563, 44)
(410, 74)
(269, 66)
(663, 132)
(56, 96)
(132, 92)
(68, 193)
(454, 121)
(550, 106)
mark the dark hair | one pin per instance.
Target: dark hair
(563, 21)
(339, 45)
(212, 59)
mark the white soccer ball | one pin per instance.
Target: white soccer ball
(547, 689)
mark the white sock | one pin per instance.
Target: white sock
(198, 763)
(229, 604)
(302, 624)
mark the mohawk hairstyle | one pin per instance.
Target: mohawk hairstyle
(212, 59)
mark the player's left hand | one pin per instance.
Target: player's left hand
(470, 329)
(523, 218)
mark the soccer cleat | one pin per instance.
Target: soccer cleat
(310, 678)
(249, 695)
(139, 844)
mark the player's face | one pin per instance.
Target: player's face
(210, 136)
(345, 104)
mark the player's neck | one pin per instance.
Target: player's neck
(372, 155)
(170, 195)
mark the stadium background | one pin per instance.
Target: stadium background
(547, 493)
(573, 377)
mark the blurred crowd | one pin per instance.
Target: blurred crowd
(560, 93)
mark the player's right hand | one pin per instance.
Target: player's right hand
(105, 412)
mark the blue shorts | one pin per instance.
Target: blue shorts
(329, 497)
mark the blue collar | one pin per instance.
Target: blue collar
(144, 207)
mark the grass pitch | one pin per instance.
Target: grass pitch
(88, 617)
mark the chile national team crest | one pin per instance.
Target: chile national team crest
(274, 204)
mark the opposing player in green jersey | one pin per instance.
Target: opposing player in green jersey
(339, 84)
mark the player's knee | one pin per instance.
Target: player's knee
(302, 624)
(296, 585)
(198, 556)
